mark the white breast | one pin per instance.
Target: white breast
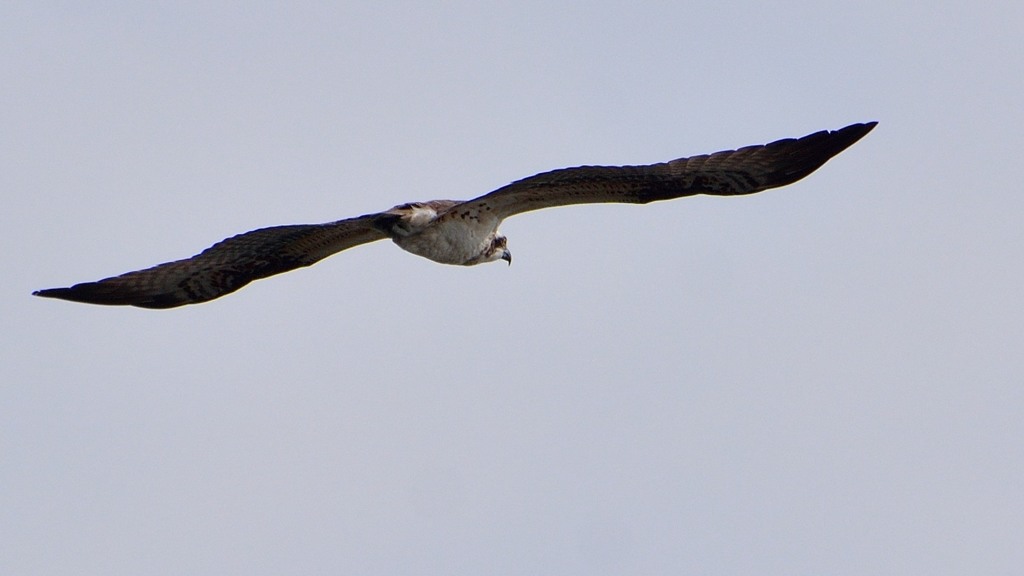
(451, 239)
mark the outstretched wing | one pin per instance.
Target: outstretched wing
(225, 266)
(727, 173)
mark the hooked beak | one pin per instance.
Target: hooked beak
(507, 256)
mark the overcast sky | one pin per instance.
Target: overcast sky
(821, 379)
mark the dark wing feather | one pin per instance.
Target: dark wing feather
(225, 266)
(727, 173)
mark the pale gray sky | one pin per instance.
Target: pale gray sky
(821, 379)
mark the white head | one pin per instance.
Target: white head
(496, 250)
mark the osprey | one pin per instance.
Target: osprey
(461, 232)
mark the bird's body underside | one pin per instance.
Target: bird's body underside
(461, 232)
(436, 232)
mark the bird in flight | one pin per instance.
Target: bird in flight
(461, 232)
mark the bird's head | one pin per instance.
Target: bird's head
(496, 250)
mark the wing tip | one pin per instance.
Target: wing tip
(61, 293)
(799, 157)
(98, 293)
(848, 136)
(85, 293)
(857, 131)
